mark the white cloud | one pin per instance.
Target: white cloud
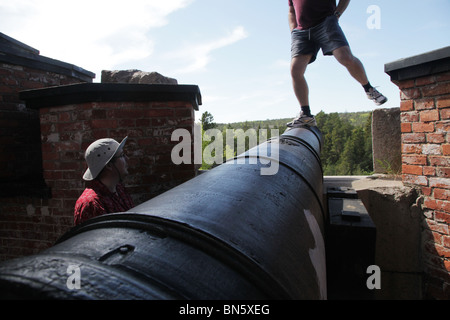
(92, 34)
(197, 57)
(282, 63)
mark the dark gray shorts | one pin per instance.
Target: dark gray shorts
(327, 36)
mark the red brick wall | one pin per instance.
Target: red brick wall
(19, 127)
(425, 116)
(30, 225)
(26, 225)
(31, 219)
(68, 130)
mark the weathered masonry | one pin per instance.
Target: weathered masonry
(26, 225)
(424, 83)
(50, 111)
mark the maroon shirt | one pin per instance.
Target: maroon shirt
(98, 200)
(310, 13)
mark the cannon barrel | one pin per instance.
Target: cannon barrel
(230, 233)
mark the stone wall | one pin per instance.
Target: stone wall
(396, 213)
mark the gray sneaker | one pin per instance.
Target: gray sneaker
(302, 121)
(376, 96)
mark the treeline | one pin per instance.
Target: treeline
(347, 148)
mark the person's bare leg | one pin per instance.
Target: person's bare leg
(353, 64)
(301, 90)
(356, 69)
(298, 68)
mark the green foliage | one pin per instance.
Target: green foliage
(387, 167)
(347, 148)
(208, 121)
(236, 138)
(279, 124)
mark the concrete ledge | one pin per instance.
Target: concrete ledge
(17, 53)
(110, 92)
(420, 65)
(340, 181)
(377, 181)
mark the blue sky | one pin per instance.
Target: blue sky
(236, 51)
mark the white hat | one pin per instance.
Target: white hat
(98, 154)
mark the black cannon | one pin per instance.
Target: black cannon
(231, 233)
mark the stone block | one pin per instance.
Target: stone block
(136, 77)
(387, 141)
(397, 214)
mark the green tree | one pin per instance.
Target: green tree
(208, 121)
(347, 146)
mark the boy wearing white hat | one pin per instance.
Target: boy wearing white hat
(107, 167)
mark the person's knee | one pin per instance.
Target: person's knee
(345, 57)
(298, 77)
(298, 67)
(297, 73)
(347, 60)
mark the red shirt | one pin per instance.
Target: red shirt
(310, 13)
(98, 200)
